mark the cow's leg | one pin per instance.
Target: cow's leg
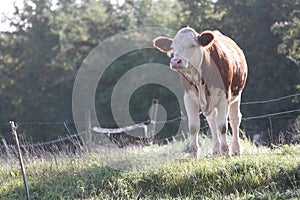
(235, 118)
(211, 119)
(222, 124)
(192, 109)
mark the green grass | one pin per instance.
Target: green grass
(158, 172)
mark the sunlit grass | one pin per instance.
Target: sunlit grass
(155, 172)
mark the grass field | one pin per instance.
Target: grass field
(157, 172)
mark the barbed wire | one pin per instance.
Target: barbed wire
(270, 100)
(176, 119)
(271, 114)
(52, 142)
(180, 117)
(142, 124)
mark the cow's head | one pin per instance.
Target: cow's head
(187, 47)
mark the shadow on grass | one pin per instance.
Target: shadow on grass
(180, 179)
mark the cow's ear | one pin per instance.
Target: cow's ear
(163, 44)
(205, 38)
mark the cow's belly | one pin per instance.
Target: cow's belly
(209, 98)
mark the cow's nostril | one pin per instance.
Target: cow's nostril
(176, 62)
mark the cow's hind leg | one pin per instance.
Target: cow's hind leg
(235, 118)
(192, 109)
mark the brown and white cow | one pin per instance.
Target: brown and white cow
(213, 73)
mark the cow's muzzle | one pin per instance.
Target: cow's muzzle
(176, 63)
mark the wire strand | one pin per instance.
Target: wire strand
(270, 100)
(183, 117)
(271, 114)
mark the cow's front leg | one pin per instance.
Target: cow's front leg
(211, 119)
(222, 124)
(192, 109)
(218, 124)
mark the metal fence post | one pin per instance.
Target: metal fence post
(14, 133)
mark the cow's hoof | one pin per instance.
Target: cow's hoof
(216, 154)
(216, 150)
(235, 154)
(193, 154)
(235, 149)
(225, 151)
(193, 150)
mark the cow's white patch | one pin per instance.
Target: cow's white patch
(187, 48)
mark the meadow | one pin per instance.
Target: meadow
(157, 172)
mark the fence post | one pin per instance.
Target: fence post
(89, 137)
(6, 148)
(14, 133)
(153, 117)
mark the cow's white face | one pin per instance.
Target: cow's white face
(187, 47)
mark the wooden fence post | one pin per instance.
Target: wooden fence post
(153, 116)
(89, 137)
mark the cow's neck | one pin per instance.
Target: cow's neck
(192, 76)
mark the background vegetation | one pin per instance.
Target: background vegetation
(48, 40)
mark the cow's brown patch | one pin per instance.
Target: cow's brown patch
(240, 75)
(224, 68)
(230, 63)
(202, 81)
(224, 129)
(207, 93)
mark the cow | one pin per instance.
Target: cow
(213, 72)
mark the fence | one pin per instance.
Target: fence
(144, 125)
